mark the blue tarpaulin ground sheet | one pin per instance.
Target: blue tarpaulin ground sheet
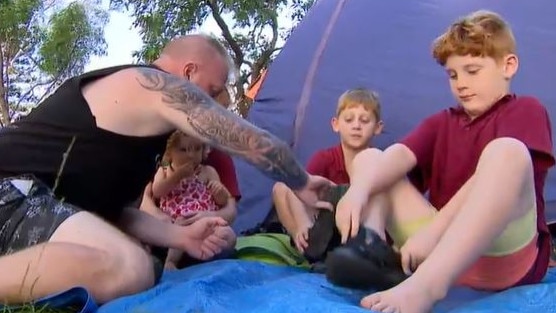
(245, 286)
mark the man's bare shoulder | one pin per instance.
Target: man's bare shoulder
(137, 110)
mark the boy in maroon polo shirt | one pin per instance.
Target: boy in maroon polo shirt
(484, 163)
(357, 121)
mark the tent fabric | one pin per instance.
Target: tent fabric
(245, 286)
(384, 46)
(254, 90)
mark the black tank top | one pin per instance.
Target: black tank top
(104, 171)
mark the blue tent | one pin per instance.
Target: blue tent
(385, 46)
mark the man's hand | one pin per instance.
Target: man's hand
(348, 212)
(313, 192)
(207, 237)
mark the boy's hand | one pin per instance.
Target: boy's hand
(348, 213)
(417, 248)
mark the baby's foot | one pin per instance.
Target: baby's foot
(410, 296)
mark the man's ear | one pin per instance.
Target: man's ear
(334, 124)
(189, 69)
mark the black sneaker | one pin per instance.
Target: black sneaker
(365, 262)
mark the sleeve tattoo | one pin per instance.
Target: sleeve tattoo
(223, 129)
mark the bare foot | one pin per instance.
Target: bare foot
(411, 296)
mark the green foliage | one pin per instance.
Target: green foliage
(71, 39)
(43, 43)
(250, 28)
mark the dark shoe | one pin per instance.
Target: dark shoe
(365, 262)
(320, 237)
(324, 236)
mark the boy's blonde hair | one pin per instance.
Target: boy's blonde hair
(359, 96)
(479, 34)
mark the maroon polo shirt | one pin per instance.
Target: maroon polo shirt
(448, 145)
(329, 163)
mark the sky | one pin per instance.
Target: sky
(122, 39)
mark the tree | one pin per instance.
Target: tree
(250, 30)
(42, 43)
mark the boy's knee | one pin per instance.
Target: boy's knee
(279, 189)
(508, 149)
(369, 153)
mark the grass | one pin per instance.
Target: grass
(36, 309)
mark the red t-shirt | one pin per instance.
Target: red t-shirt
(225, 168)
(448, 145)
(329, 163)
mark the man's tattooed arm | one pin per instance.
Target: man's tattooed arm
(200, 116)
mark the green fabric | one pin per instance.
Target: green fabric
(271, 248)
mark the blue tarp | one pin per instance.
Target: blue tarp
(251, 287)
(385, 46)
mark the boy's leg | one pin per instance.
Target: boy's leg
(292, 213)
(403, 210)
(501, 191)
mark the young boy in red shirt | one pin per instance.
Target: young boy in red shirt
(484, 163)
(357, 121)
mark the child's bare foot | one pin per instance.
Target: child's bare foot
(411, 296)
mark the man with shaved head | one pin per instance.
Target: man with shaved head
(71, 169)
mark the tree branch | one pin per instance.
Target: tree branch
(265, 56)
(239, 56)
(3, 102)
